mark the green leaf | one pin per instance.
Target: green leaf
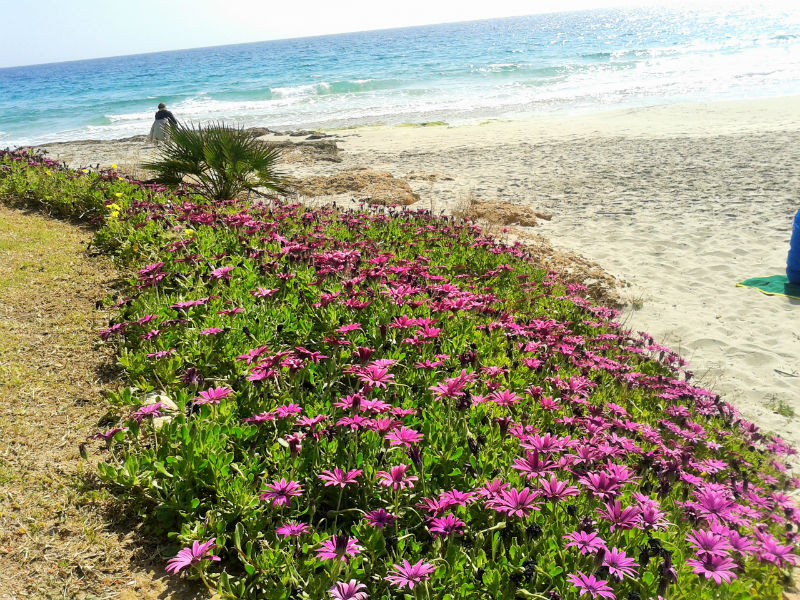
(159, 466)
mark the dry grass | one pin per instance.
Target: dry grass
(61, 535)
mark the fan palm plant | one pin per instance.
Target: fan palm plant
(222, 159)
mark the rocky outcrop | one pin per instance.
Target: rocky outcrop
(374, 187)
(504, 213)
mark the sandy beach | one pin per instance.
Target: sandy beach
(679, 202)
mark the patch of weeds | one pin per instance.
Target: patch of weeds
(781, 407)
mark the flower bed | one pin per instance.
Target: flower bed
(386, 404)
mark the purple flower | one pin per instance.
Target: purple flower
(292, 529)
(533, 465)
(339, 547)
(221, 273)
(213, 395)
(410, 575)
(619, 564)
(263, 292)
(446, 526)
(348, 591)
(404, 437)
(514, 503)
(281, 492)
(349, 327)
(108, 434)
(621, 518)
(558, 490)
(589, 584)
(192, 555)
(376, 377)
(774, 552)
(380, 518)
(709, 543)
(287, 410)
(148, 410)
(713, 503)
(211, 331)
(504, 397)
(586, 543)
(260, 417)
(339, 477)
(601, 485)
(720, 568)
(396, 478)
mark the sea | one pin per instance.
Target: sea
(507, 68)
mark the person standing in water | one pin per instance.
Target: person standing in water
(160, 128)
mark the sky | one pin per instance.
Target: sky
(43, 31)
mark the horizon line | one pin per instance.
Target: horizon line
(322, 35)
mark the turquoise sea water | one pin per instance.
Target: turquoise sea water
(501, 68)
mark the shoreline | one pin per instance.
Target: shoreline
(709, 118)
(680, 201)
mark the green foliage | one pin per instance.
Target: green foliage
(223, 160)
(230, 277)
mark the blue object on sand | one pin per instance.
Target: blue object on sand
(793, 260)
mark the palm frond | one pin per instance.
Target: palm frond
(223, 159)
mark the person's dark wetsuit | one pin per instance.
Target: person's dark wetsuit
(165, 114)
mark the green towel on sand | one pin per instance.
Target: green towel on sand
(776, 285)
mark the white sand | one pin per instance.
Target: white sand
(679, 201)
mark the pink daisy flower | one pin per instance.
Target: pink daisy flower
(281, 492)
(376, 377)
(288, 410)
(619, 563)
(718, 568)
(349, 327)
(292, 529)
(192, 555)
(404, 437)
(380, 518)
(558, 490)
(221, 273)
(620, 518)
(514, 502)
(339, 477)
(338, 547)
(446, 526)
(263, 292)
(212, 395)
(352, 590)
(148, 410)
(396, 478)
(708, 543)
(211, 331)
(585, 542)
(589, 584)
(260, 417)
(410, 575)
(108, 434)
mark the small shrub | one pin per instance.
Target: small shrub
(222, 160)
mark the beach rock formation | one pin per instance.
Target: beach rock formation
(308, 152)
(374, 187)
(503, 213)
